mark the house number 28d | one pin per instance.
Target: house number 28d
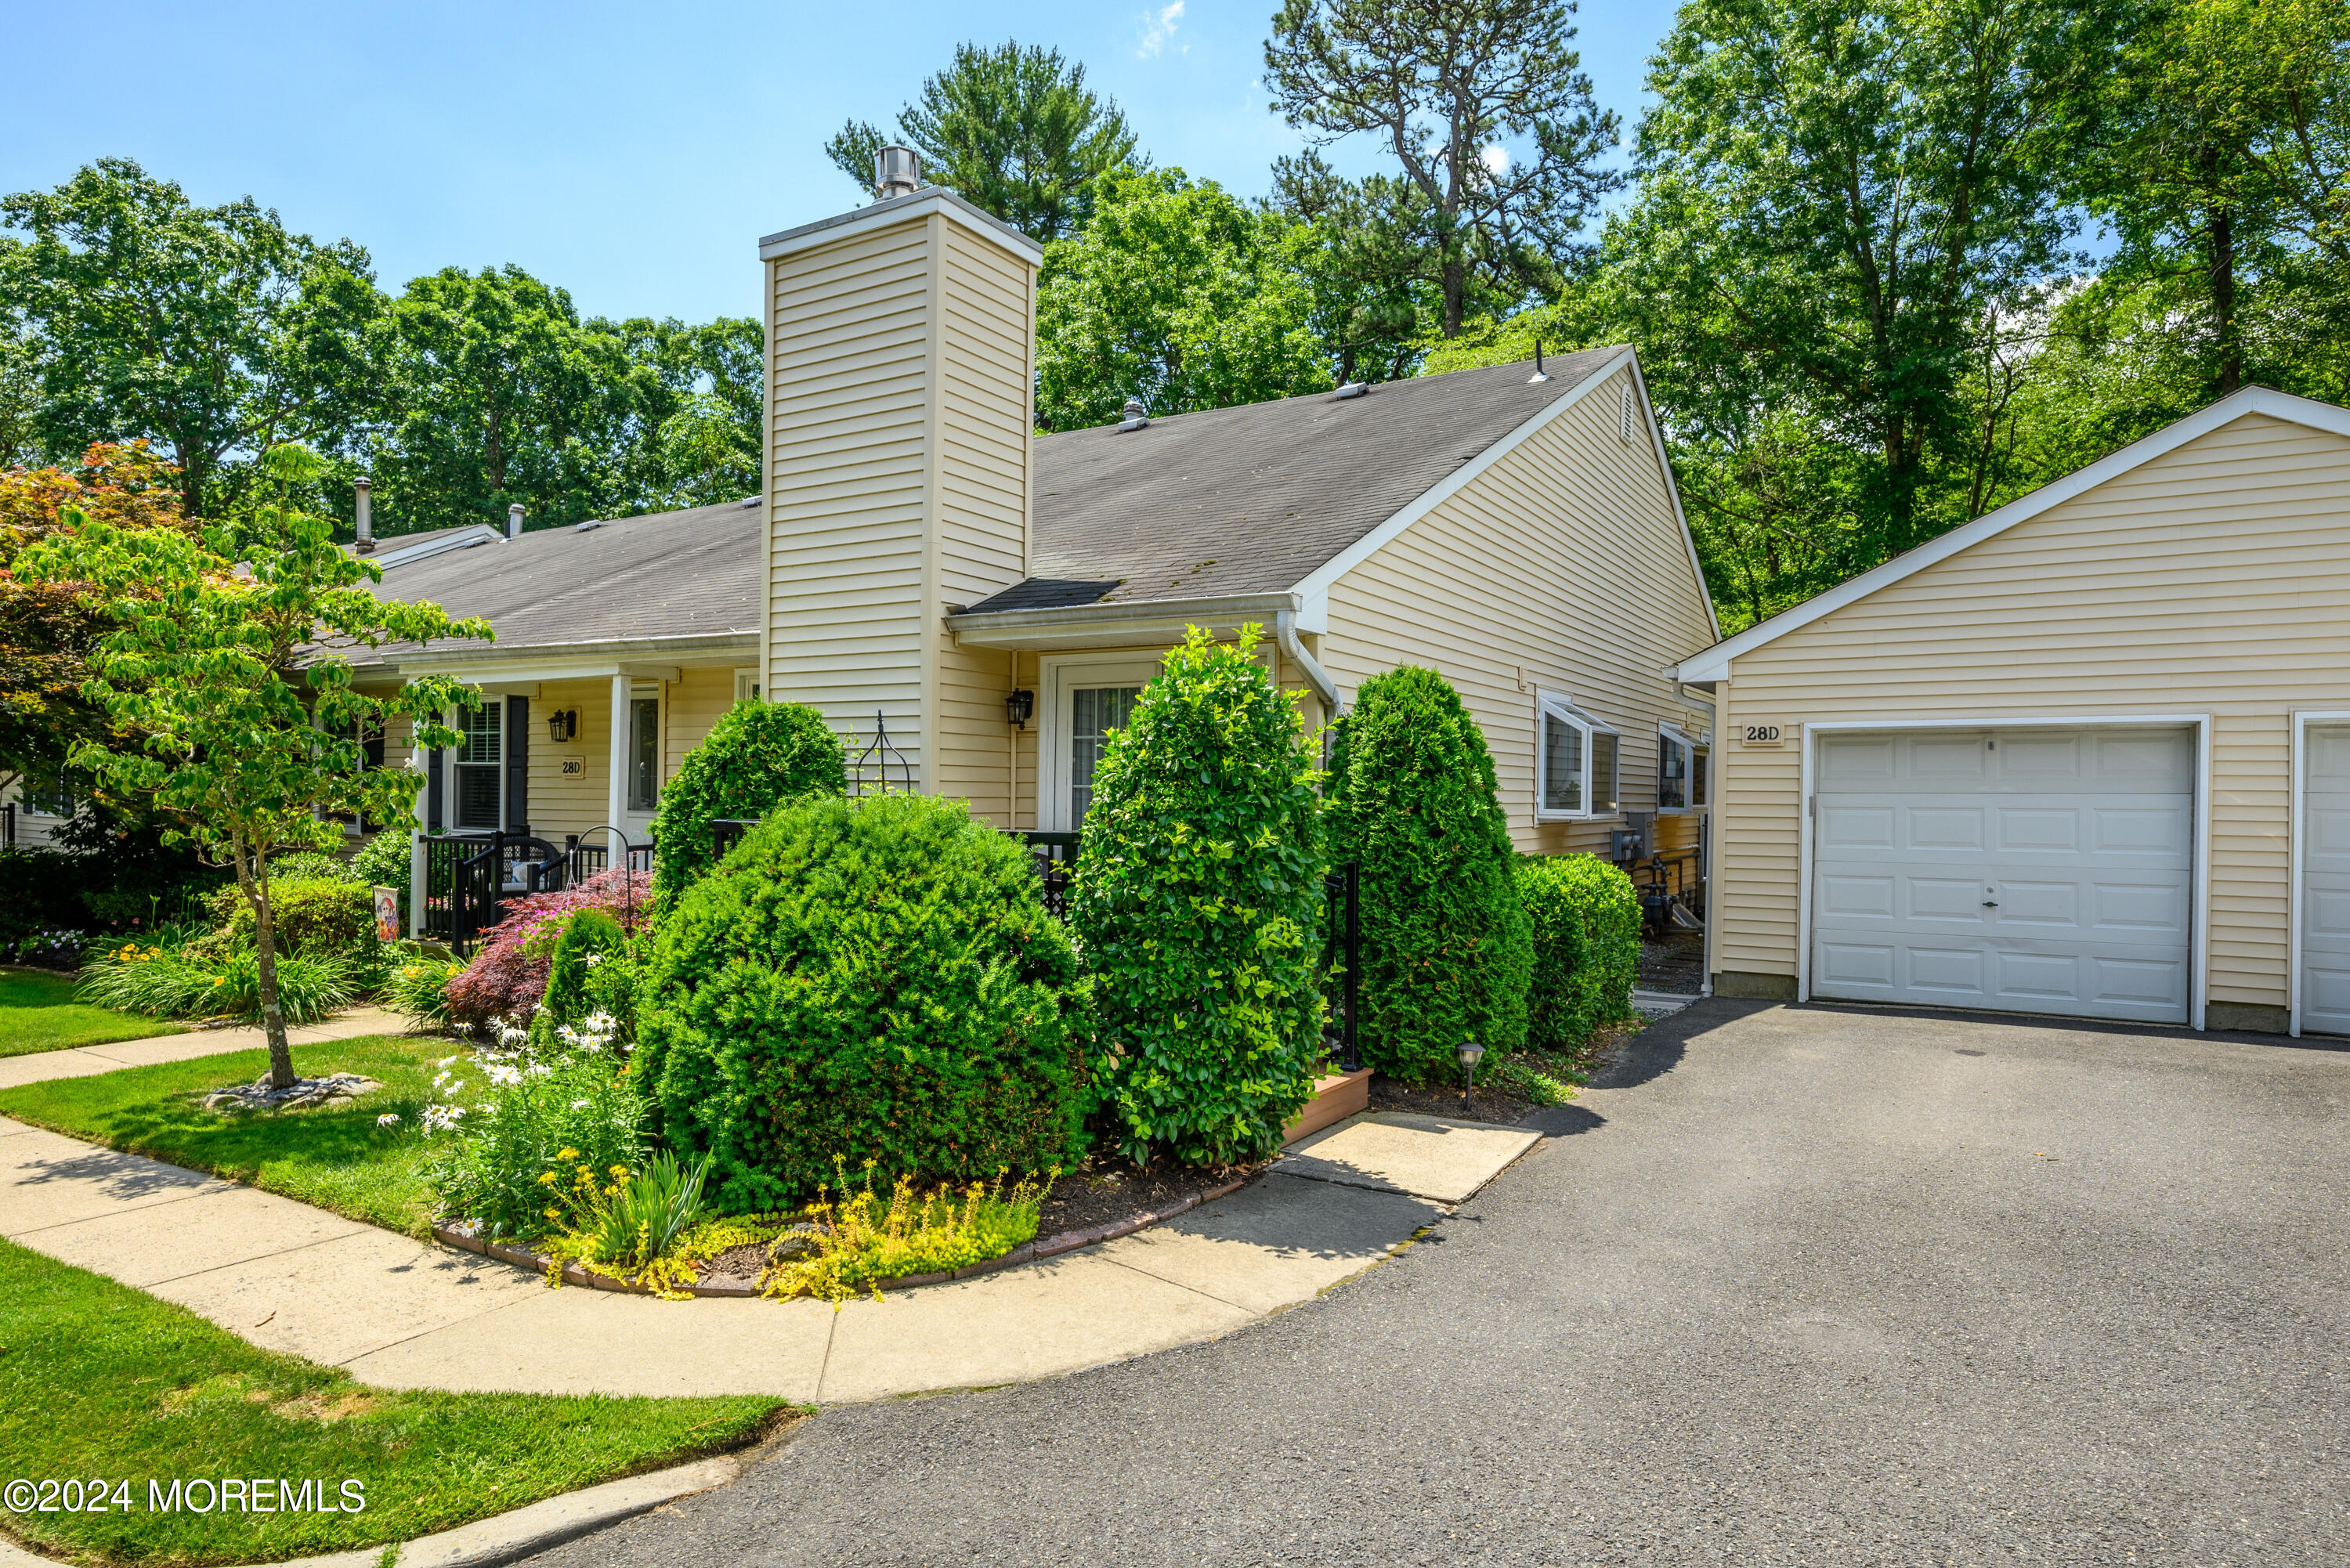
(1761, 735)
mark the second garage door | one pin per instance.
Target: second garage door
(2032, 870)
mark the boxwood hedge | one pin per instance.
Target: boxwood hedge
(861, 981)
(1586, 919)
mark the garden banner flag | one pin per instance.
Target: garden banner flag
(387, 915)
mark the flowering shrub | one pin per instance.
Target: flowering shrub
(54, 948)
(508, 973)
(538, 1111)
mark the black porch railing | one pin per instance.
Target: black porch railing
(726, 832)
(1341, 968)
(469, 878)
(1054, 855)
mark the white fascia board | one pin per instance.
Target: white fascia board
(1157, 623)
(1317, 584)
(1714, 664)
(570, 661)
(903, 209)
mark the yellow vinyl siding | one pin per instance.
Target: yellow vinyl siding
(2209, 580)
(1565, 561)
(848, 424)
(559, 805)
(899, 480)
(692, 706)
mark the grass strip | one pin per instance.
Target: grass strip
(97, 1380)
(38, 1013)
(338, 1159)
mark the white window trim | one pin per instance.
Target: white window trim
(1059, 675)
(1561, 705)
(1693, 743)
(747, 685)
(656, 693)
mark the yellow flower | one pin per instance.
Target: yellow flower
(620, 1171)
(554, 1214)
(546, 1179)
(568, 1154)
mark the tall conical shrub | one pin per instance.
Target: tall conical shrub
(1199, 896)
(1447, 951)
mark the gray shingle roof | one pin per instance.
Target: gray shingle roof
(669, 574)
(1230, 501)
(1252, 499)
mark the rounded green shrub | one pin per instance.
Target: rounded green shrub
(756, 757)
(1445, 949)
(317, 919)
(1586, 919)
(590, 938)
(1198, 893)
(870, 980)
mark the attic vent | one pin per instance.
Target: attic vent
(1137, 415)
(583, 528)
(1626, 420)
(1351, 390)
(750, 501)
(896, 171)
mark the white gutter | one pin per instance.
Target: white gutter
(1284, 631)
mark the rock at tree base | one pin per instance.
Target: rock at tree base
(302, 1095)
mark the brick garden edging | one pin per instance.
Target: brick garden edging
(459, 1234)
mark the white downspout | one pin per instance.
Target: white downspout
(1285, 632)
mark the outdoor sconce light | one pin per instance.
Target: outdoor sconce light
(563, 725)
(1471, 1054)
(1019, 708)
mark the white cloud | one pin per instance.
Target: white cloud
(1157, 26)
(1496, 159)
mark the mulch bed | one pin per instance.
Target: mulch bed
(1387, 1095)
(1105, 1190)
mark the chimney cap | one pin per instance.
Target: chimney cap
(896, 171)
(1138, 414)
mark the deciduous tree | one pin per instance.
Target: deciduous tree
(224, 674)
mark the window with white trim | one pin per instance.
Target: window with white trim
(479, 763)
(747, 685)
(1681, 770)
(1577, 762)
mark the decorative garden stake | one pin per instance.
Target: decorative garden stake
(1471, 1054)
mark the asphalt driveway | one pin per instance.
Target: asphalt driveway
(1793, 1286)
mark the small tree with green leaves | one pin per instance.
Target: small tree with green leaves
(226, 677)
(1447, 951)
(1199, 898)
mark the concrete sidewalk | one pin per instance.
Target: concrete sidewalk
(401, 1314)
(86, 1061)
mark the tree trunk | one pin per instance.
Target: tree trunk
(252, 882)
(2221, 237)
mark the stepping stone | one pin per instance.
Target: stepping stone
(1390, 1152)
(1654, 1004)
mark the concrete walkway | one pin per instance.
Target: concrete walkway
(399, 1313)
(86, 1061)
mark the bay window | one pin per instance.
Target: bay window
(1576, 762)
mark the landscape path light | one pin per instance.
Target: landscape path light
(1471, 1054)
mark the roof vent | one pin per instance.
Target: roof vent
(1137, 415)
(583, 528)
(750, 501)
(1539, 374)
(896, 171)
(1352, 390)
(514, 521)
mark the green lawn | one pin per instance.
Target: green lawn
(101, 1380)
(38, 1013)
(338, 1159)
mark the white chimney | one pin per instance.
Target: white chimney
(514, 521)
(896, 171)
(366, 537)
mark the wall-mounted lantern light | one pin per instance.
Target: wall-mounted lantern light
(1019, 708)
(563, 724)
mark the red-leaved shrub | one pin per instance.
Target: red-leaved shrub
(509, 974)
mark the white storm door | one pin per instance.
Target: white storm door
(2028, 870)
(2325, 881)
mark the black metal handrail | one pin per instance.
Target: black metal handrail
(1054, 855)
(1342, 1037)
(726, 832)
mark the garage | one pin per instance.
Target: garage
(2325, 880)
(2086, 754)
(2047, 868)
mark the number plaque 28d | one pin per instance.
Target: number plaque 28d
(1761, 735)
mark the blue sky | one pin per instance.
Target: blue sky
(633, 154)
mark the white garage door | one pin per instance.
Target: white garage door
(2325, 882)
(2034, 870)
